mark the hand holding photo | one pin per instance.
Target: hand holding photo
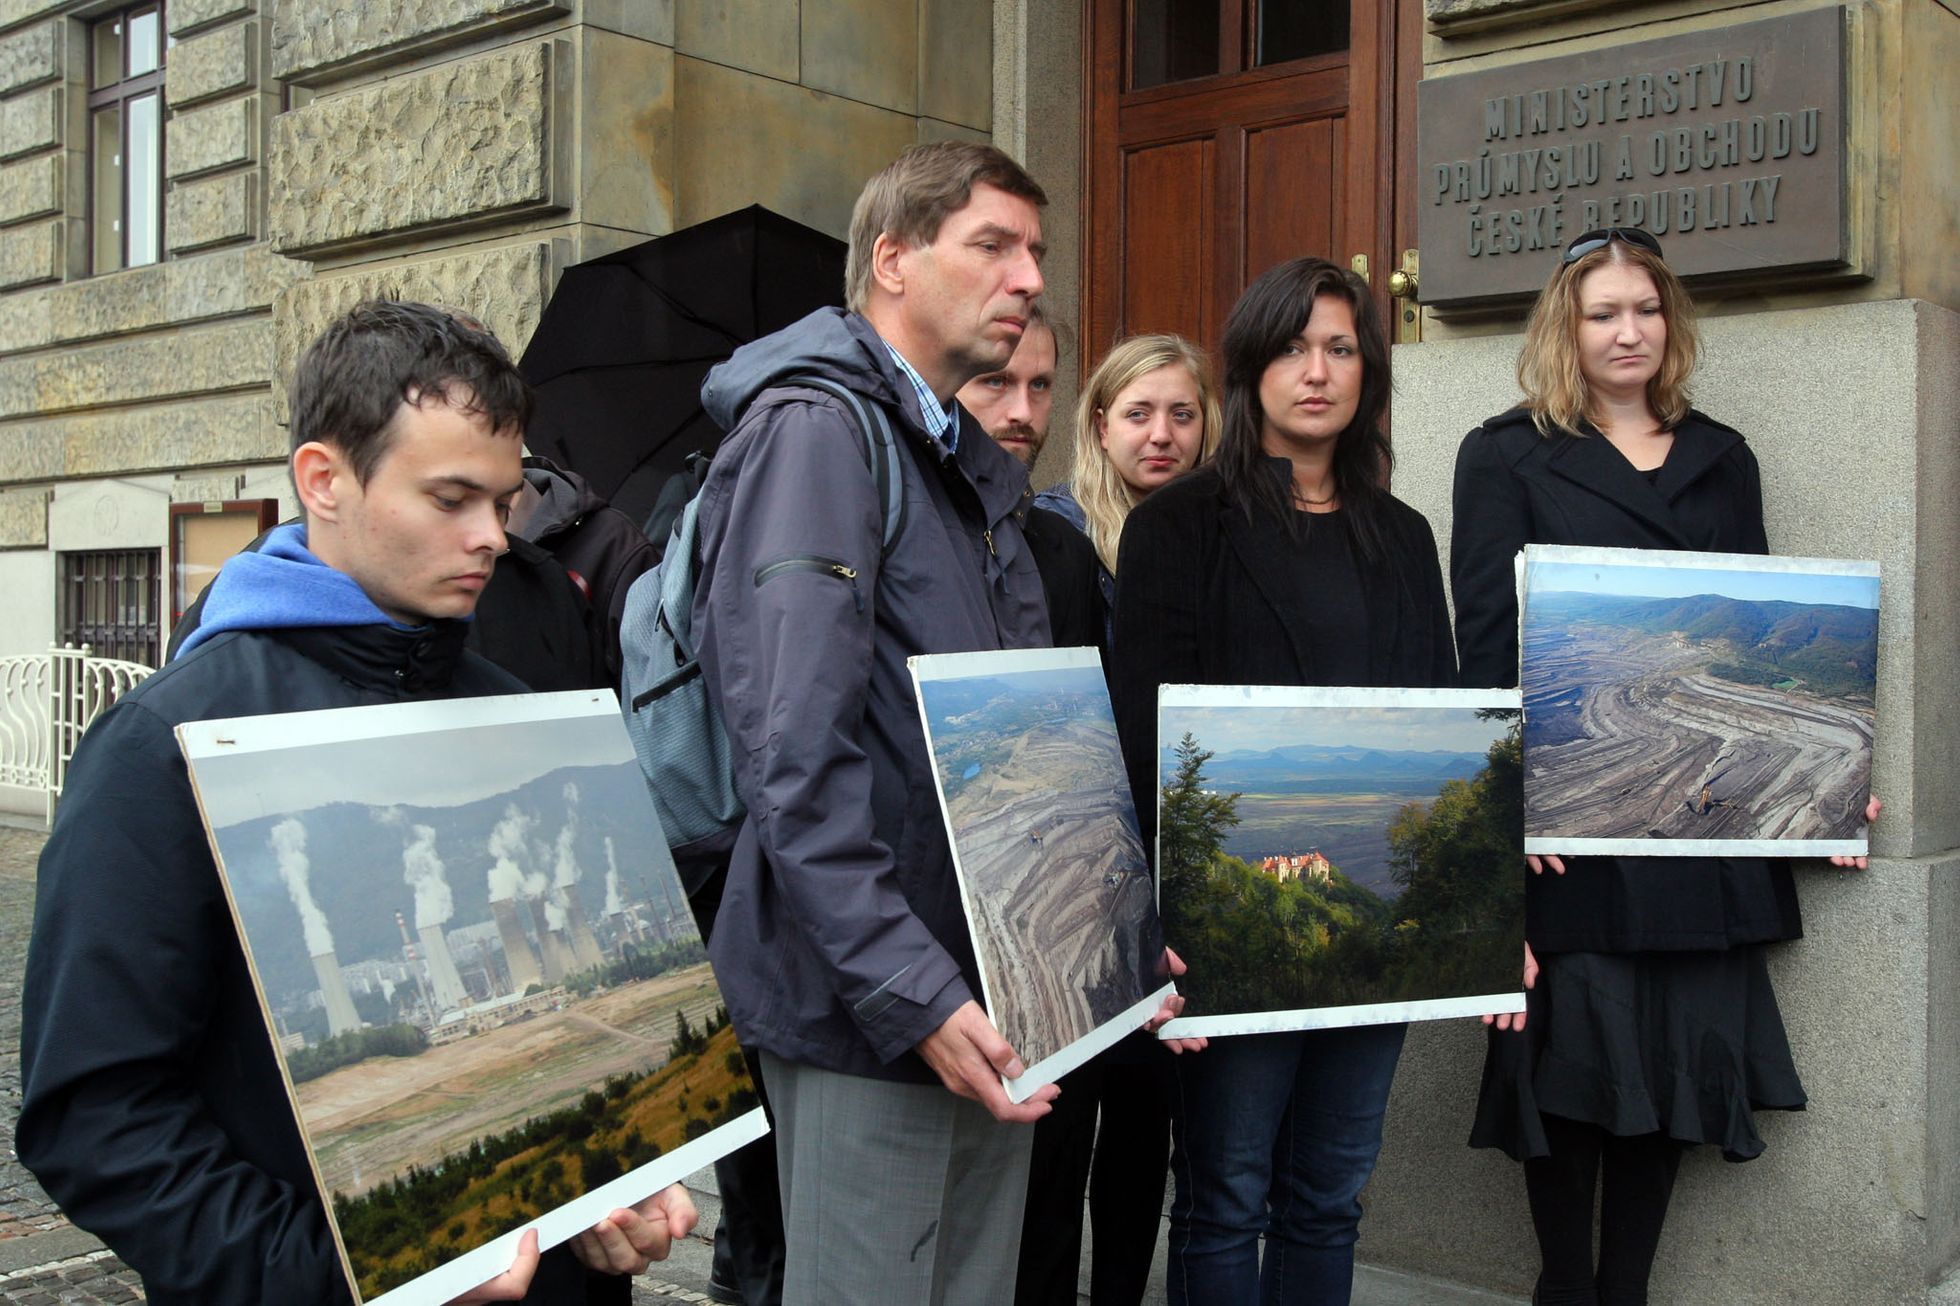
(1052, 870)
(1697, 703)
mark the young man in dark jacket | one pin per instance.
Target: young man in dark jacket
(841, 945)
(153, 1109)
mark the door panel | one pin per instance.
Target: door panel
(1293, 188)
(1167, 237)
(1294, 157)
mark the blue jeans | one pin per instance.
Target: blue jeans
(1275, 1134)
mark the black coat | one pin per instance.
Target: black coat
(1070, 579)
(153, 1109)
(1201, 599)
(1516, 487)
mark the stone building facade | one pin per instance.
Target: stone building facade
(316, 151)
(468, 150)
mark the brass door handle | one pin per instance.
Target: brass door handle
(1402, 284)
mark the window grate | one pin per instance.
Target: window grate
(110, 601)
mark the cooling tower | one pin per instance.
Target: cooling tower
(551, 952)
(585, 948)
(341, 1018)
(518, 954)
(450, 995)
(558, 962)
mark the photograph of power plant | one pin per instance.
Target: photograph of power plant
(1057, 887)
(1334, 857)
(1697, 703)
(476, 960)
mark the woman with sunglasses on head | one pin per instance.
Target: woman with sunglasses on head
(1650, 1022)
(1285, 561)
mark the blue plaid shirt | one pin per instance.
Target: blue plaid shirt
(939, 418)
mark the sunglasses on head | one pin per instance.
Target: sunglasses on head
(1592, 240)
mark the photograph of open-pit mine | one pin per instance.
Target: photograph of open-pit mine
(492, 1004)
(1334, 857)
(1697, 703)
(1057, 888)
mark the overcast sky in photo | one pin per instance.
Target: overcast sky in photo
(1390, 729)
(1683, 582)
(445, 768)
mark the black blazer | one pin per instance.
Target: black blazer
(1201, 599)
(1516, 487)
(1070, 579)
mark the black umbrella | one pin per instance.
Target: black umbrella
(620, 354)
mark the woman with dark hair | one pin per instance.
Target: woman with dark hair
(1650, 1022)
(1284, 561)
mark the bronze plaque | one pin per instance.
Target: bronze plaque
(1726, 144)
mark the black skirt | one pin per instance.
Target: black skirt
(1689, 1044)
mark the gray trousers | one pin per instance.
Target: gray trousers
(896, 1193)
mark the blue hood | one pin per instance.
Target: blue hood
(829, 343)
(282, 585)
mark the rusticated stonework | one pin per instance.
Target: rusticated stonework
(222, 284)
(211, 65)
(24, 519)
(227, 357)
(312, 35)
(30, 122)
(1452, 17)
(215, 211)
(504, 288)
(189, 15)
(30, 254)
(463, 142)
(217, 136)
(203, 433)
(19, 11)
(30, 56)
(31, 189)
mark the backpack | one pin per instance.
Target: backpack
(683, 749)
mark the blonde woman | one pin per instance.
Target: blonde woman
(1148, 415)
(1650, 1024)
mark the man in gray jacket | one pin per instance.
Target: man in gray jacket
(841, 947)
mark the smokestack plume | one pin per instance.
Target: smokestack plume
(288, 842)
(615, 904)
(423, 871)
(507, 841)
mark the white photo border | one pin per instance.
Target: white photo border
(281, 732)
(994, 662)
(1567, 555)
(1223, 1024)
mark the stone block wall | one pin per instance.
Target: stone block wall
(40, 181)
(128, 383)
(460, 151)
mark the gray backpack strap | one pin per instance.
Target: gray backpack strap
(881, 455)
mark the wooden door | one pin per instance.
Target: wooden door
(1226, 136)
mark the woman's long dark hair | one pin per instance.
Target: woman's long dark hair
(1273, 310)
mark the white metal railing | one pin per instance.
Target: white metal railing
(46, 702)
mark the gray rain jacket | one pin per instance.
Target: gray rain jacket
(841, 941)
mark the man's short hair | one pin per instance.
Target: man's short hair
(355, 376)
(1057, 332)
(916, 192)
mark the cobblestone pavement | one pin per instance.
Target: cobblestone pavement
(43, 1259)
